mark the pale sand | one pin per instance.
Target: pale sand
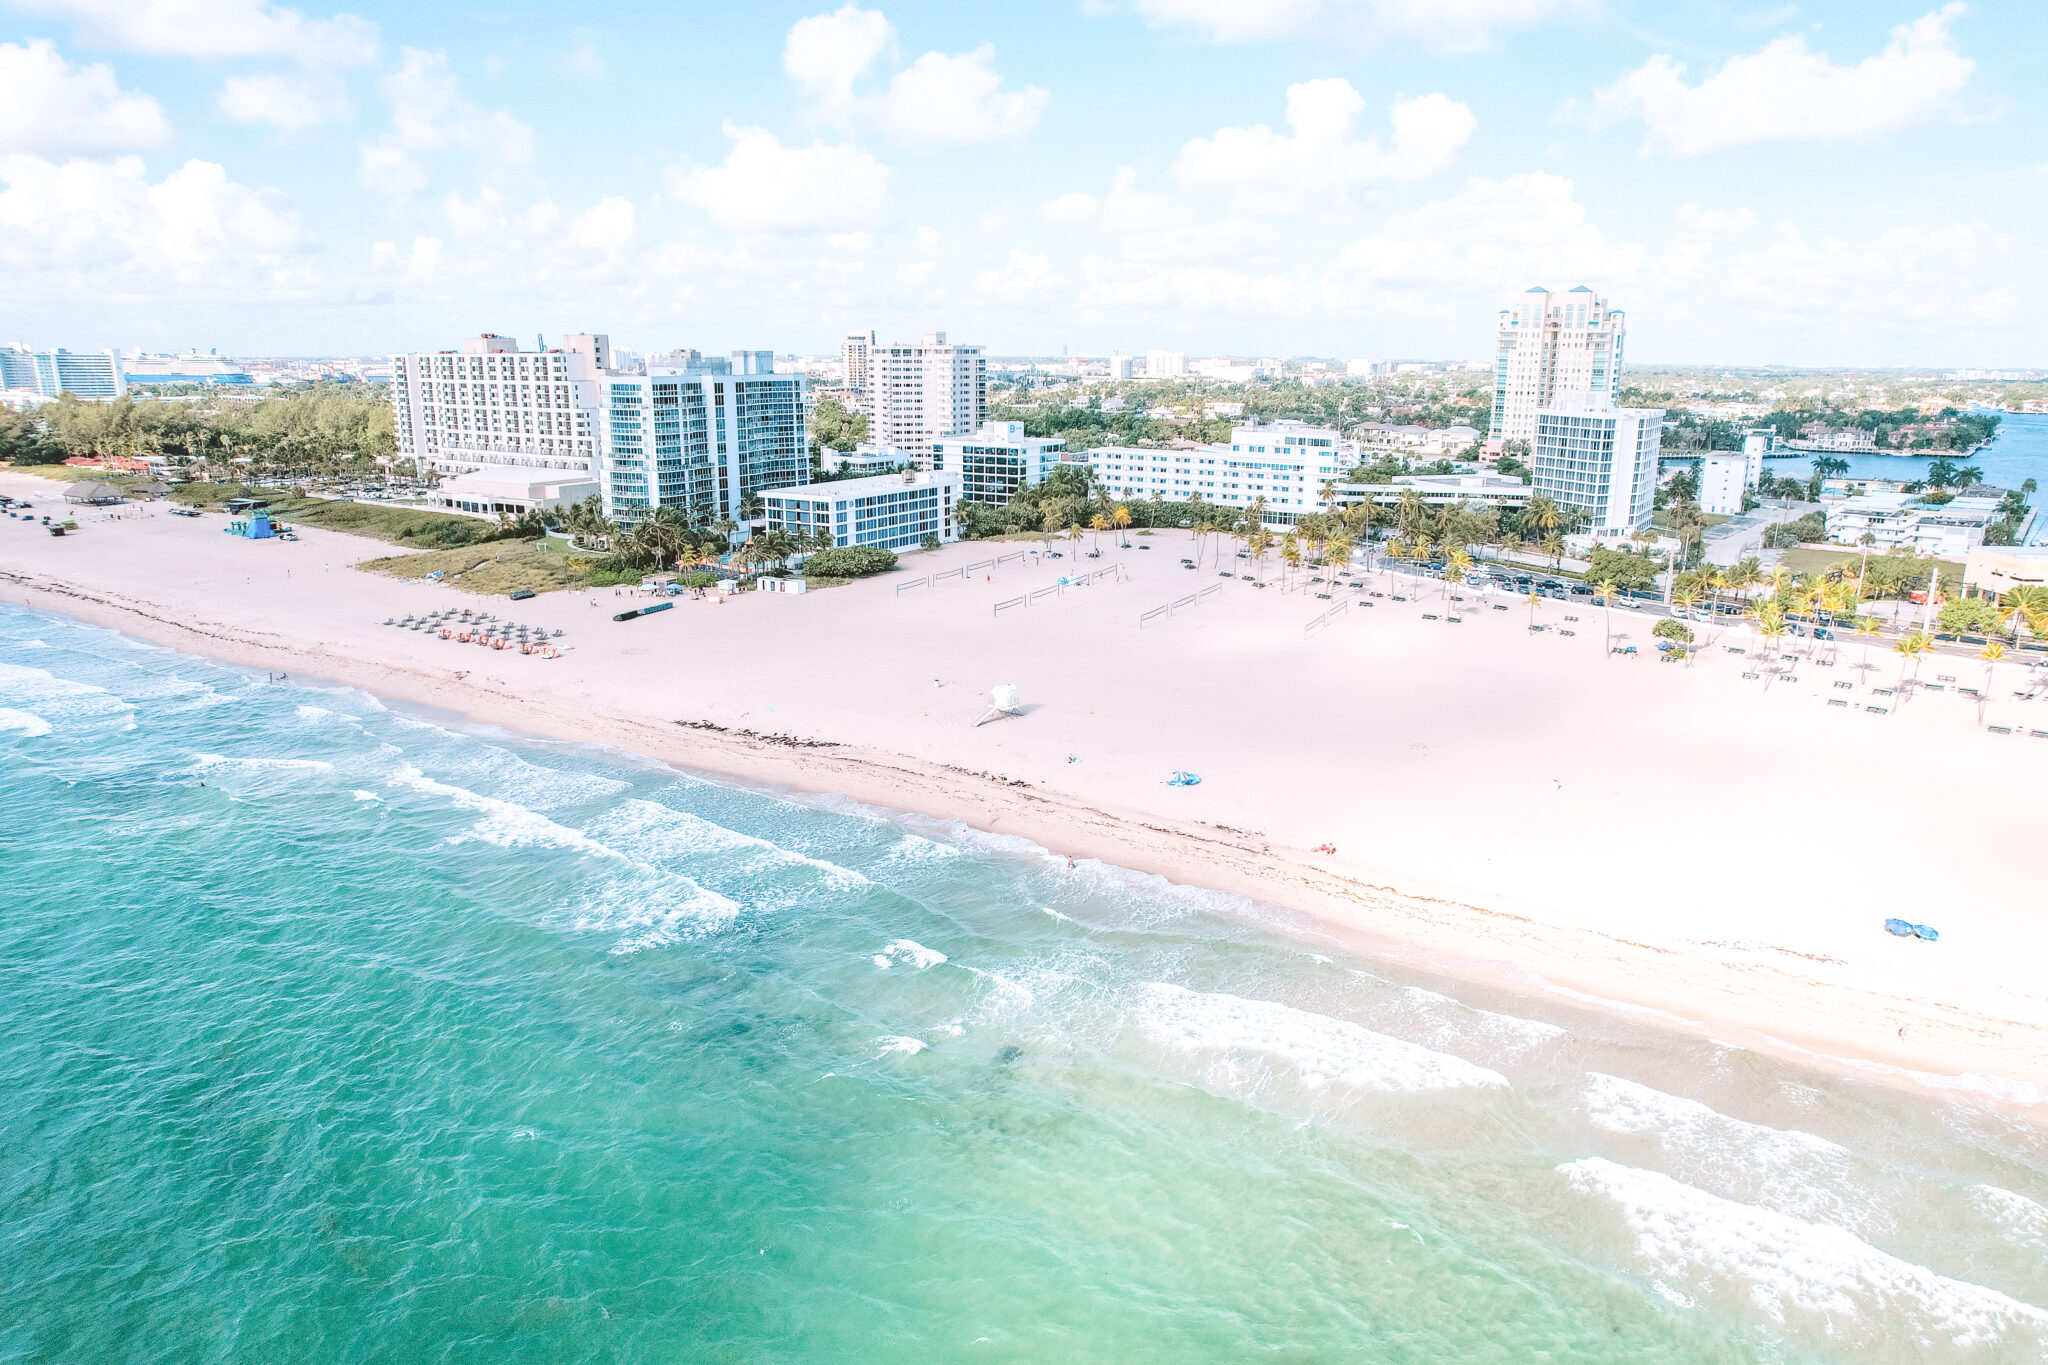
(1522, 807)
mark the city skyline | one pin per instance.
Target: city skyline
(1816, 185)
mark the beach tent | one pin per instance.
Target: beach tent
(97, 494)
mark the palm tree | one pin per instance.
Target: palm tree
(1685, 599)
(1120, 518)
(2026, 604)
(1541, 514)
(1867, 626)
(1098, 524)
(1770, 623)
(1990, 654)
(1909, 648)
(1553, 545)
(1290, 551)
(1606, 589)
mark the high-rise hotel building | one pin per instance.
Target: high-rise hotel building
(1588, 453)
(491, 405)
(919, 394)
(1551, 345)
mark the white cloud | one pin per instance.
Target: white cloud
(827, 53)
(1324, 154)
(606, 226)
(1022, 277)
(763, 186)
(429, 114)
(1447, 25)
(101, 229)
(1489, 240)
(289, 104)
(47, 104)
(1786, 93)
(1070, 208)
(219, 28)
(939, 99)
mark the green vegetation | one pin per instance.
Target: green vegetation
(1622, 569)
(1673, 630)
(1910, 428)
(850, 561)
(503, 567)
(1809, 529)
(832, 425)
(1887, 575)
(326, 429)
(397, 525)
(1969, 615)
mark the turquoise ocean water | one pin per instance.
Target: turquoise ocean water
(330, 1033)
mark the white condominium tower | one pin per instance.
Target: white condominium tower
(917, 394)
(492, 405)
(1551, 345)
(1589, 453)
(703, 433)
(853, 362)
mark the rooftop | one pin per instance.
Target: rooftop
(876, 486)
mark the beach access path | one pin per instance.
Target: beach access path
(1522, 806)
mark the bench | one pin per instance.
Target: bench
(1845, 686)
(1453, 620)
(1752, 675)
(1934, 687)
(1498, 607)
(1999, 729)
(1790, 677)
(1733, 650)
(1567, 632)
(1971, 692)
(1876, 711)
(1429, 616)
(1837, 701)
(1882, 691)
(1945, 677)
(2039, 734)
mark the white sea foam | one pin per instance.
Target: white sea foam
(1810, 1276)
(2019, 1215)
(657, 833)
(1320, 1049)
(907, 1046)
(652, 909)
(505, 823)
(362, 795)
(25, 722)
(58, 702)
(1625, 1106)
(906, 951)
(241, 761)
(1447, 1023)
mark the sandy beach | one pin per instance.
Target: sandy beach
(1506, 804)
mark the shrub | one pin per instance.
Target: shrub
(1808, 529)
(1673, 630)
(1971, 615)
(850, 561)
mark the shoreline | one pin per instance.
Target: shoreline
(1259, 879)
(1770, 971)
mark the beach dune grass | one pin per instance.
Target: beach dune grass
(502, 566)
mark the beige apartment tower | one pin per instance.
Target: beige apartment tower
(1551, 346)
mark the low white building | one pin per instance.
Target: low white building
(1287, 465)
(1723, 480)
(503, 490)
(1439, 490)
(1902, 520)
(865, 458)
(889, 511)
(1165, 364)
(996, 461)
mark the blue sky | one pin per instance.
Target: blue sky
(1848, 183)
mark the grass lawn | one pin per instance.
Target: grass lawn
(1810, 559)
